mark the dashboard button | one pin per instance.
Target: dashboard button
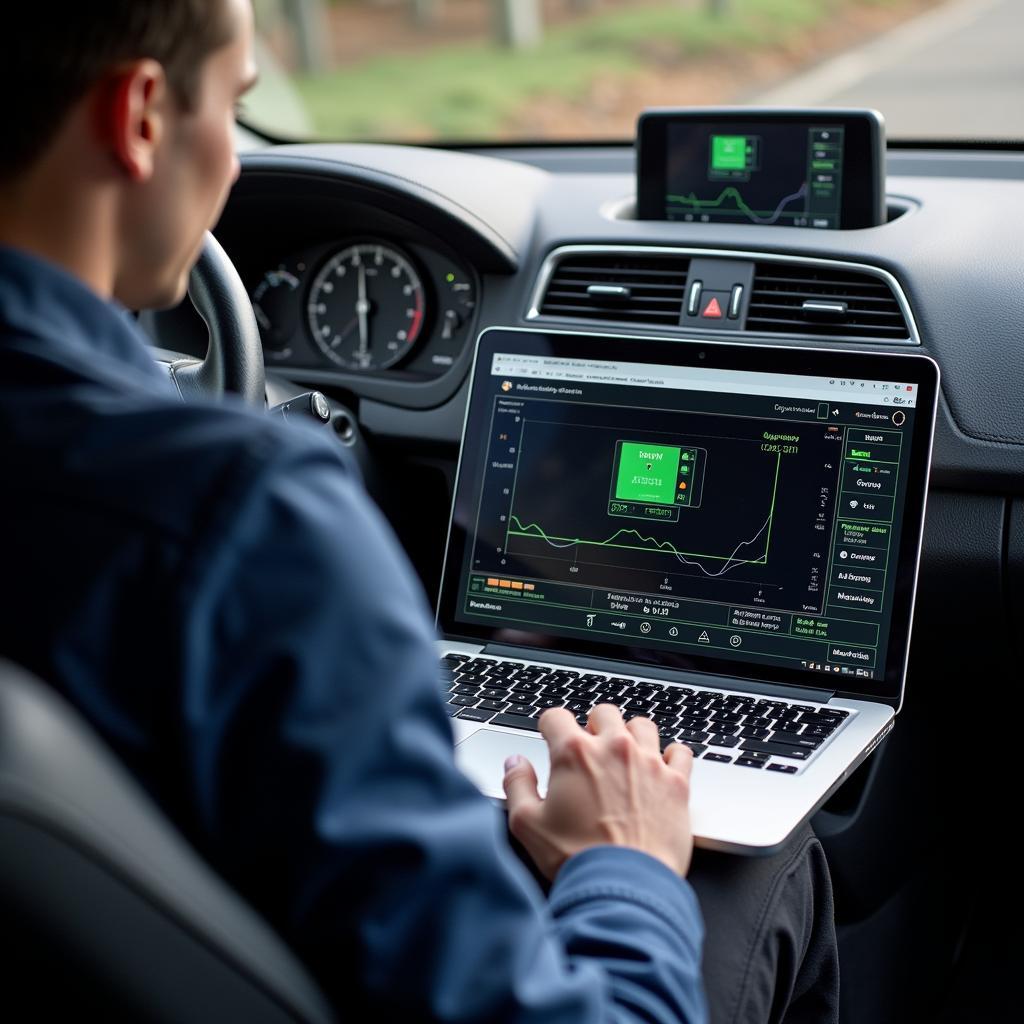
(693, 301)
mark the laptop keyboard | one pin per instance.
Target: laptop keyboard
(726, 727)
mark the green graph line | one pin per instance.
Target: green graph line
(730, 192)
(664, 545)
(535, 530)
(771, 515)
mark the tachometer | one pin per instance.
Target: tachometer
(277, 310)
(366, 307)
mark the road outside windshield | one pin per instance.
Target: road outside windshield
(508, 70)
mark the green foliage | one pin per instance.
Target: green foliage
(471, 91)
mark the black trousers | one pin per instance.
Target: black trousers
(770, 954)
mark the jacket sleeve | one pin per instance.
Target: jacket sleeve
(324, 786)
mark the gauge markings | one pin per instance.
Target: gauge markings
(385, 325)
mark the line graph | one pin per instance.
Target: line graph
(732, 193)
(652, 545)
(665, 546)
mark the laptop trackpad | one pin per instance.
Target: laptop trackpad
(482, 757)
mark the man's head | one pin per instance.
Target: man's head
(119, 117)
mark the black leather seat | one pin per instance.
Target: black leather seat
(103, 905)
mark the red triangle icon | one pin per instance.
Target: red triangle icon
(713, 309)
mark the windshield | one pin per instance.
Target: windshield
(578, 70)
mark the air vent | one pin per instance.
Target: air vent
(618, 288)
(825, 302)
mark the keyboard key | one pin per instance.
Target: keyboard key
(531, 672)
(788, 769)
(723, 741)
(578, 706)
(722, 728)
(516, 722)
(529, 686)
(818, 730)
(811, 742)
(482, 663)
(749, 762)
(455, 659)
(452, 710)
(557, 691)
(628, 713)
(697, 748)
(642, 691)
(726, 716)
(494, 693)
(663, 718)
(475, 715)
(606, 687)
(472, 677)
(691, 736)
(463, 689)
(520, 709)
(778, 749)
(638, 704)
(544, 701)
(690, 720)
(493, 705)
(562, 676)
(593, 677)
(721, 758)
(753, 734)
(502, 671)
(464, 702)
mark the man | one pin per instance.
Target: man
(205, 585)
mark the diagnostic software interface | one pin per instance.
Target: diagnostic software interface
(745, 516)
(789, 174)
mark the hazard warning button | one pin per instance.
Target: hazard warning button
(711, 311)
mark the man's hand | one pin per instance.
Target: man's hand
(609, 785)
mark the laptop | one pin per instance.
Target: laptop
(723, 538)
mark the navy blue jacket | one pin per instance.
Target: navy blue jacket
(217, 595)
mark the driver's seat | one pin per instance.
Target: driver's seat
(104, 905)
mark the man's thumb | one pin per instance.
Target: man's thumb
(520, 784)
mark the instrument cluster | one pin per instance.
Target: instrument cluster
(366, 305)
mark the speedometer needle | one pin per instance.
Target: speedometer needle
(363, 312)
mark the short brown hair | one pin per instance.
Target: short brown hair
(51, 55)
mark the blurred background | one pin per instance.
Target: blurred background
(506, 70)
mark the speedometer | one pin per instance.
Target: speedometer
(366, 307)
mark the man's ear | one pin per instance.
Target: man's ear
(132, 114)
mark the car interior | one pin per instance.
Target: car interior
(548, 236)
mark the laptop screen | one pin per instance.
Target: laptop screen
(744, 510)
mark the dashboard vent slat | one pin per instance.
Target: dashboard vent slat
(653, 288)
(780, 291)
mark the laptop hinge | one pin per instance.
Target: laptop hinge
(783, 691)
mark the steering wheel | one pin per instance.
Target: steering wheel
(234, 358)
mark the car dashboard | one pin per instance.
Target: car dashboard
(435, 245)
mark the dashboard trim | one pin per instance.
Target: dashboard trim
(562, 251)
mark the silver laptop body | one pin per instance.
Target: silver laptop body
(603, 471)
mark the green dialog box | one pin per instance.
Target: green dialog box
(647, 472)
(728, 152)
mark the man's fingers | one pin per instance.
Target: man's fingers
(557, 725)
(520, 782)
(680, 757)
(645, 732)
(605, 718)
